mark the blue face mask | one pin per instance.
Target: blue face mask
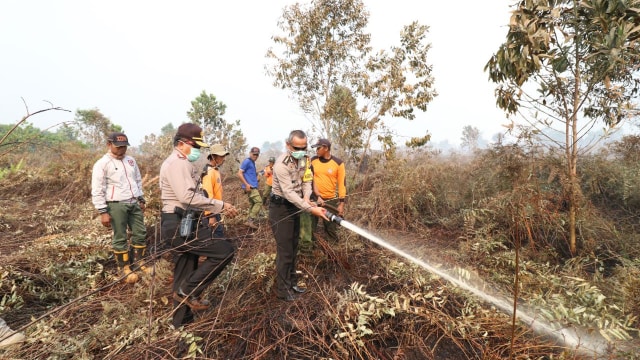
(298, 154)
(193, 155)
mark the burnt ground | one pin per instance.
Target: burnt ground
(247, 321)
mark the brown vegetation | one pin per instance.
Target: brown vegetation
(364, 302)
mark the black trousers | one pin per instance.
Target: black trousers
(189, 276)
(284, 219)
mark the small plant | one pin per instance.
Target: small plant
(12, 169)
(358, 311)
(572, 300)
(191, 340)
(10, 300)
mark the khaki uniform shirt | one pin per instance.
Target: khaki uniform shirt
(292, 180)
(178, 186)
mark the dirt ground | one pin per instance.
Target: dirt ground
(246, 321)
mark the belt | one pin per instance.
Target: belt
(181, 212)
(279, 200)
(128, 201)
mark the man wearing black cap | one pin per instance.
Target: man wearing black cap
(189, 240)
(329, 184)
(116, 192)
(248, 175)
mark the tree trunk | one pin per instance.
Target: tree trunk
(572, 151)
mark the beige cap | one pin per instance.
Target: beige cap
(218, 149)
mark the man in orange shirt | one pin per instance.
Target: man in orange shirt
(212, 184)
(268, 175)
(329, 184)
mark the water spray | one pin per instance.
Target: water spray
(573, 338)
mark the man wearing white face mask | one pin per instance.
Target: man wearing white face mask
(290, 195)
(181, 200)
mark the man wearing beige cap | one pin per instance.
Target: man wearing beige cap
(212, 185)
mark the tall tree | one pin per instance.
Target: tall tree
(324, 52)
(94, 127)
(347, 124)
(470, 137)
(158, 146)
(571, 63)
(208, 112)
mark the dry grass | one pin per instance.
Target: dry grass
(363, 301)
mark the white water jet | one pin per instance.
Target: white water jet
(570, 338)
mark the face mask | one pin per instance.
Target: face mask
(298, 154)
(193, 155)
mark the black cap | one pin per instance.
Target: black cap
(118, 139)
(322, 142)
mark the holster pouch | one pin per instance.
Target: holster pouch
(186, 224)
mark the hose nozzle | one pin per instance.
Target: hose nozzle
(333, 217)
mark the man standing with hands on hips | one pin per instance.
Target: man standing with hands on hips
(249, 178)
(290, 195)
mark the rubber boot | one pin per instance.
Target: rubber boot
(139, 260)
(122, 259)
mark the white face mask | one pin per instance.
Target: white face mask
(298, 154)
(194, 155)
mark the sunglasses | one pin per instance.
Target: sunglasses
(299, 148)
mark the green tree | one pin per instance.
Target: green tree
(29, 138)
(158, 146)
(8, 130)
(94, 127)
(324, 55)
(208, 112)
(347, 124)
(569, 63)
